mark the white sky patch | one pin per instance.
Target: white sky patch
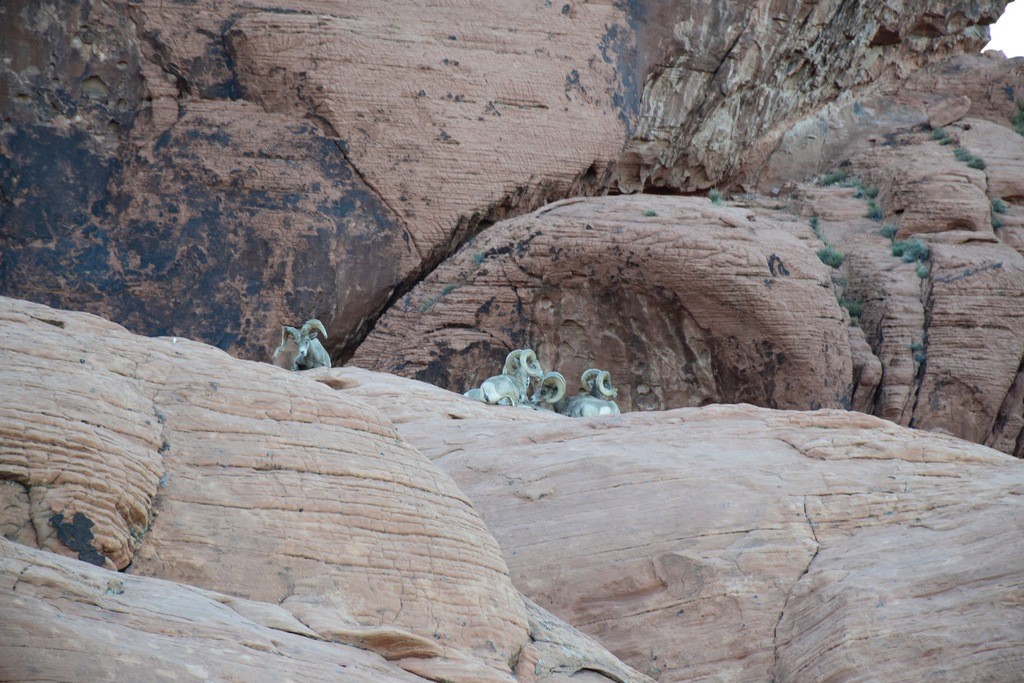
(1008, 32)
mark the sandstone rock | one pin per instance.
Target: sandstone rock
(947, 327)
(731, 79)
(305, 506)
(215, 170)
(684, 302)
(852, 123)
(64, 620)
(262, 166)
(948, 110)
(742, 543)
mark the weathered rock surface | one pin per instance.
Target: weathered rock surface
(215, 170)
(727, 81)
(249, 480)
(932, 96)
(685, 303)
(732, 542)
(66, 620)
(947, 327)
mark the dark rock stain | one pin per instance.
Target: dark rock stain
(77, 535)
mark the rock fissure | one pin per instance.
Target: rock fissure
(789, 593)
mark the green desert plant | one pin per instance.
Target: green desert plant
(875, 212)
(832, 178)
(999, 206)
(961, 154)
(1018, 119)
(715, 196)
(816, 226)
(854, 306)
(910, 250)
(922, 270)
(888, 231)
(976, 162)
(830, 256)
(650, 212)
(939, 133)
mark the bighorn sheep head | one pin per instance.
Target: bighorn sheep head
(551, 389)
(598, 383)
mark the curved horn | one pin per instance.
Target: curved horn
(314, 324)
(288, 331)
(529, 360)
(512, 361)
(588, 378)
(556, 379)
(604, 384)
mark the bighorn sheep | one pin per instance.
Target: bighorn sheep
(598, 383)
(512, 385)
(300, 349)
(552, 391)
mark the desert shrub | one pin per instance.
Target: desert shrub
(715, 196)
(854, 306)
(888, 231)
(830, 256)
(910, 250)
(976, 162)
(999, 206)
(875, 212)
(939, 133)
(922, 270)
(650, 212)
(832, 178)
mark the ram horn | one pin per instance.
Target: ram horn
(512, 362)
(530, 362)
(604, 384)
(588, 378)
(314, 324)
(551, 382)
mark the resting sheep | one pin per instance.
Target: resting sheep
(512, 385)
(300, 349)
(598, 383)
(552, 392)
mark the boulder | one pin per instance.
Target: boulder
(685, 302)
(743, 543)
(169, 459)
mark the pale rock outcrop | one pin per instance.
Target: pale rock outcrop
(66, 620)
(685, 303)
(733, 542)
(171, 459)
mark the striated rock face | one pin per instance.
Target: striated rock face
(685, 302)
(727, 80)
(218, 170)
(946, 324)
(65, 620)
(172, 458)
(742, 543)
(215, 170)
